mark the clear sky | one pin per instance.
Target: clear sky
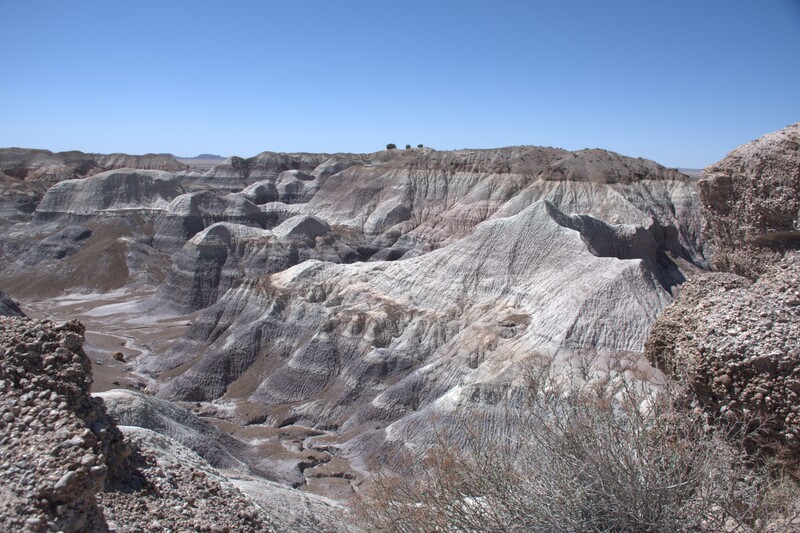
(681, 81)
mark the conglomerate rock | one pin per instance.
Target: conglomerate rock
(735, 344)
(58, 446)
(751, 202)
(59, 450)
(732, 339)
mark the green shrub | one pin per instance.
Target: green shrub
(391, 146)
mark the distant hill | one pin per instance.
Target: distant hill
(696, 173)
(207, 156)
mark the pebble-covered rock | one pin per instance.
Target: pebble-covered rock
(751, 203)
(65, 464)
(736, 343)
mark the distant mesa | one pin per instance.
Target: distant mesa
(207, 156)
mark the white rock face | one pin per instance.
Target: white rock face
(116, 189)
(369, 344)
(130, 408)
(177, 437)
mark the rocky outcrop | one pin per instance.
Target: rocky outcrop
(734, 343)
(59, 446)
(102, 254)
(26, 174)
(164, 162)
(44, 165)
(190, 213)
(375, 349)
(236, 173)
(402, 205)
(178, 440)
(66, 464)
(751, 203)
(223, 255)
(116, 190)
(301, 227)
(18, 199)
(9, 307)
(47, 166)
(417, 199)
(371, 293)
(131, 408)
(732, 336)
(180, 492)
(61, 244)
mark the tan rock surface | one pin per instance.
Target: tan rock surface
(751, 202)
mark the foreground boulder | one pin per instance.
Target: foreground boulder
(60, 452)
(58, 445)
(735, 343)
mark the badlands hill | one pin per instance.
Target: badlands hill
(25, 174)
(301, 320)
(357, 299)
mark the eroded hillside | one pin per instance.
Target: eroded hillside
(337, 306)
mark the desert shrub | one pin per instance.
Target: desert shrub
(419, 146)
(408, 147)
(607, 456)
(391, 146)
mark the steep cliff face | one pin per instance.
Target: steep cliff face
(751, 203)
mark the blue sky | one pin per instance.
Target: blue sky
(682, 82)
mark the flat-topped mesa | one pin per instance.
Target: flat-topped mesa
(752, 203)
(25, 174)
(143, 162)
(603, 166)
(44, 165)
(553, 164)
